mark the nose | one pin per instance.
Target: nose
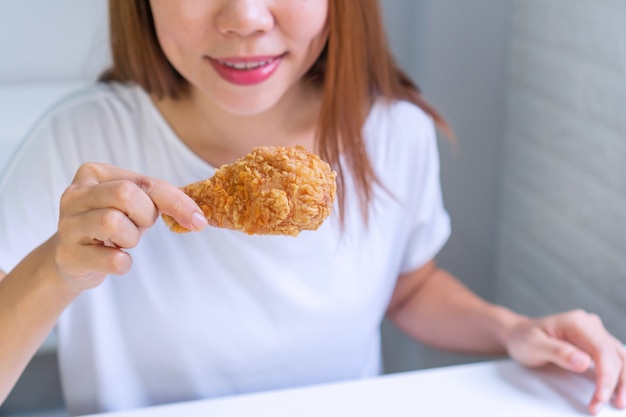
(245, 17)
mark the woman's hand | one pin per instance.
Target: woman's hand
(104, 211)
(576, 341)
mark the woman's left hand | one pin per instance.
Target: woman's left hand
(575, 340)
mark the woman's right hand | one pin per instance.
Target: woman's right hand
(105, 211)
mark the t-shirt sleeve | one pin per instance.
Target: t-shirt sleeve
(30, 190)
(428, 221)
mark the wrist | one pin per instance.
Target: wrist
(42, 267)
(508, 321)
(68, 278)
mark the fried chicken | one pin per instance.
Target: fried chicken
(274, 190)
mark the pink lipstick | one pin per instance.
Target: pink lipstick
(246, 71)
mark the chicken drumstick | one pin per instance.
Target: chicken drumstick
(274, 190)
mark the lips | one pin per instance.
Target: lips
(246, 71)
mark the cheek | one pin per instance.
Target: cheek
(309, 19)
(171, 45)
(180, 24)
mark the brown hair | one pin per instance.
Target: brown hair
(355, 68)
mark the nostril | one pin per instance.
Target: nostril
(245, 18)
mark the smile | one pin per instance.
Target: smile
(246, 71)
(244, 66)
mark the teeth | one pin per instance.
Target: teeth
(243, 66)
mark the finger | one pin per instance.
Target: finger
(588, 333)
(602, 394)
(105, 260)
(166, 197)
(122, 195)
(564, 354)
(112, 227)
(174, 202)
(89, 264)
(609, 377)
(105, 226)
(620, 392)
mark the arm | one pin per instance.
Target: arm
(432, 306)
(32, 297)
(103, 212)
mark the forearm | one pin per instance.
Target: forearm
(445, 314)
(32, 297)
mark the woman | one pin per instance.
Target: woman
(195, 85)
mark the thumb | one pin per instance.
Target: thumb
(564, 354)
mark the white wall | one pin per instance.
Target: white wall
(562, 233)
(60, 40)
(47, 49)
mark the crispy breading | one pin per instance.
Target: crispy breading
(274, 190)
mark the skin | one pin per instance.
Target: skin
(219, 120)
(106, 209)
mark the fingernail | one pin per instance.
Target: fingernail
(605, 395)
(595, 409)
(578, 359)
(199, 221)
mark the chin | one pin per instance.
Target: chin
(247, 106)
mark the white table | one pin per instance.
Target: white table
(498, 388)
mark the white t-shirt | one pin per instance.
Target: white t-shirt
(219, 312)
